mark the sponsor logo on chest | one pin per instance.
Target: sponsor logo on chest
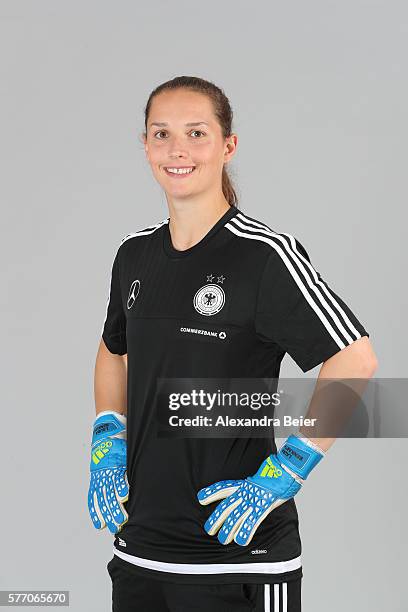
(133, 293)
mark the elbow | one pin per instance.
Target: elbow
(366, 357)
(371, 366)
(370, 360)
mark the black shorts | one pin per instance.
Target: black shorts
(133, 593)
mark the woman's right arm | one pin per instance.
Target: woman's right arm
(109, 486)
(110, 381)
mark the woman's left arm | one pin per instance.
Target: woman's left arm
(358, 361)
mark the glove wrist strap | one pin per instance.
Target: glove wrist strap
(109, 424)
(300, 455)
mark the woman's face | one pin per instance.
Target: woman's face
(182, 131)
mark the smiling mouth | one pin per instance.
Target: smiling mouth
(179, 171)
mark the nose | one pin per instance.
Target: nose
(177, 148)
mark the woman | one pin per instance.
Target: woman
(208, 292)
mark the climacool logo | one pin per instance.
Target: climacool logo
(104, 428)
(294, 455)
(205, 332)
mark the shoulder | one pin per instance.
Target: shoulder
(146, 231)
(134, 238)
(272, 242)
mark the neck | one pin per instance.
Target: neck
(190, 222)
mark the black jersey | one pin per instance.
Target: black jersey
(266, 299)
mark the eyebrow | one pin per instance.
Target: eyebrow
(163, 124)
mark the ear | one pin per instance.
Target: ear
(230, 147)
(143, 140)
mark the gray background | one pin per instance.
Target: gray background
(319, 91)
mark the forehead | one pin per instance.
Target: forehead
(181, 106)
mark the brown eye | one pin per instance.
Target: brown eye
(164, 132)
(160, 132)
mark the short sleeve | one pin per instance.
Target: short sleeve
(297, 309)
(114, 326)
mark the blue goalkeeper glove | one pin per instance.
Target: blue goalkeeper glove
(109, 486)
(248, 502)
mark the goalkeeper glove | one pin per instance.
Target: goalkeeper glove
(109, 486)
(248, 502)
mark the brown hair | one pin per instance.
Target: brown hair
(222, 110)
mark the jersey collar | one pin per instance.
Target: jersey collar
(174, 253)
